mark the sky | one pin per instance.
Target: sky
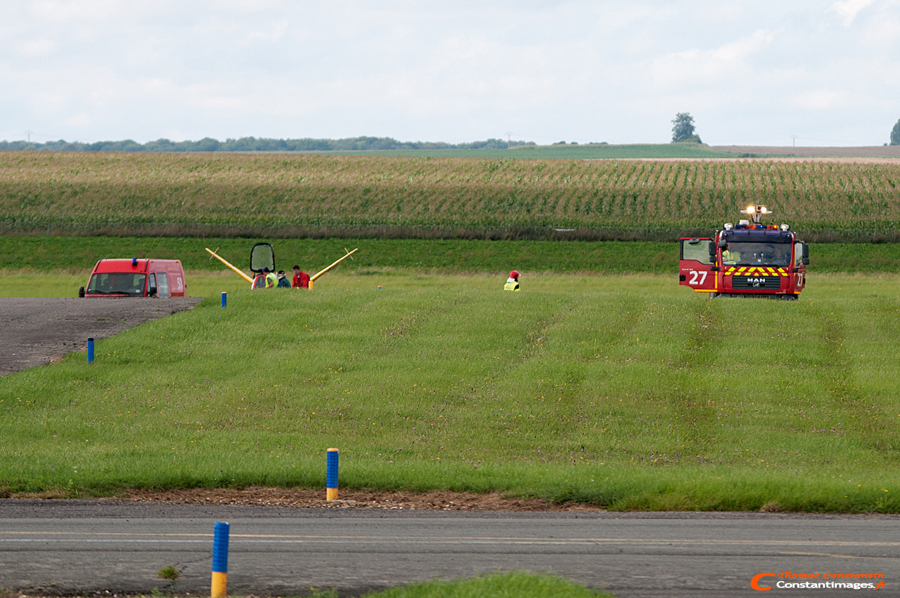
(750, 72)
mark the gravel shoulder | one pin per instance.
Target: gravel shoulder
(39, 331)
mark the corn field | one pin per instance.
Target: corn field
(316, 195)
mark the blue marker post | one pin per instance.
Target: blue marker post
(90, 349)
(331, 477)
(220, 561)
(224, 298)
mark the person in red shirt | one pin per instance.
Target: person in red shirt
(301, 279)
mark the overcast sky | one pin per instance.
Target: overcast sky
(759, 72)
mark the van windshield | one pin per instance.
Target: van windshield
(757, 254)
(116, 283)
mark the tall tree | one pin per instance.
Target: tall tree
(895, 134)
(683, 127)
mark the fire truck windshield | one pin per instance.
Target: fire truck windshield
(756, 254)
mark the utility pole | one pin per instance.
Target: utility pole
(508, 133)
(28, 134)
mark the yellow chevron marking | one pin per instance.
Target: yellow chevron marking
(758, 270)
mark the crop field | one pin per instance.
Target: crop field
(313, 195)
(627, 392)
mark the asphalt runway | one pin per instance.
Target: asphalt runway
(36, 331)
(86, 546)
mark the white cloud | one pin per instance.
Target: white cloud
(70, 11)
(81, 120)
(580, 69)
(883, 29)
(726, 62)
(822, 99)
(848, 9)
(35, 48)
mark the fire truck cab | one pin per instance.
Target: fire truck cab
(749, 259)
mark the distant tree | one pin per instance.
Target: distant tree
(683, 128)
(895, 134)
(207, 144)
(253, 144)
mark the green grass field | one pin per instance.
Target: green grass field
(627, 392)
(77, 255)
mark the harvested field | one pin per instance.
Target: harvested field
(883, 152)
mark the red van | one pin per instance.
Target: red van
(135, 278)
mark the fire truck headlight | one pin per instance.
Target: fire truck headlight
(763, 210)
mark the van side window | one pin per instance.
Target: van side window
(151, 283)
(163, 285)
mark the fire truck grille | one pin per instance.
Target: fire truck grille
(756, 282)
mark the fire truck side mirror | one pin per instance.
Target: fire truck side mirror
(712, 249)
(81, 291)
(805, 250)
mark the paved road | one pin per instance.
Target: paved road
(69, 546)
(36, 331)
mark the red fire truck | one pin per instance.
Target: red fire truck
(746, 260)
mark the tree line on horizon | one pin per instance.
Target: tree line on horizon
(254, 144)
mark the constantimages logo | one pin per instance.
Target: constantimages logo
(787, 580)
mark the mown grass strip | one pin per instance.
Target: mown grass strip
(79, 254)
(626, 392)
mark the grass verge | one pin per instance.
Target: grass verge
(518, 584)
(77, 255)
(497, 585)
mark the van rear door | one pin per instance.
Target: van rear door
(696, 263)
(177, 284)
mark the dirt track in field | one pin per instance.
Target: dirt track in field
(39, 331)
